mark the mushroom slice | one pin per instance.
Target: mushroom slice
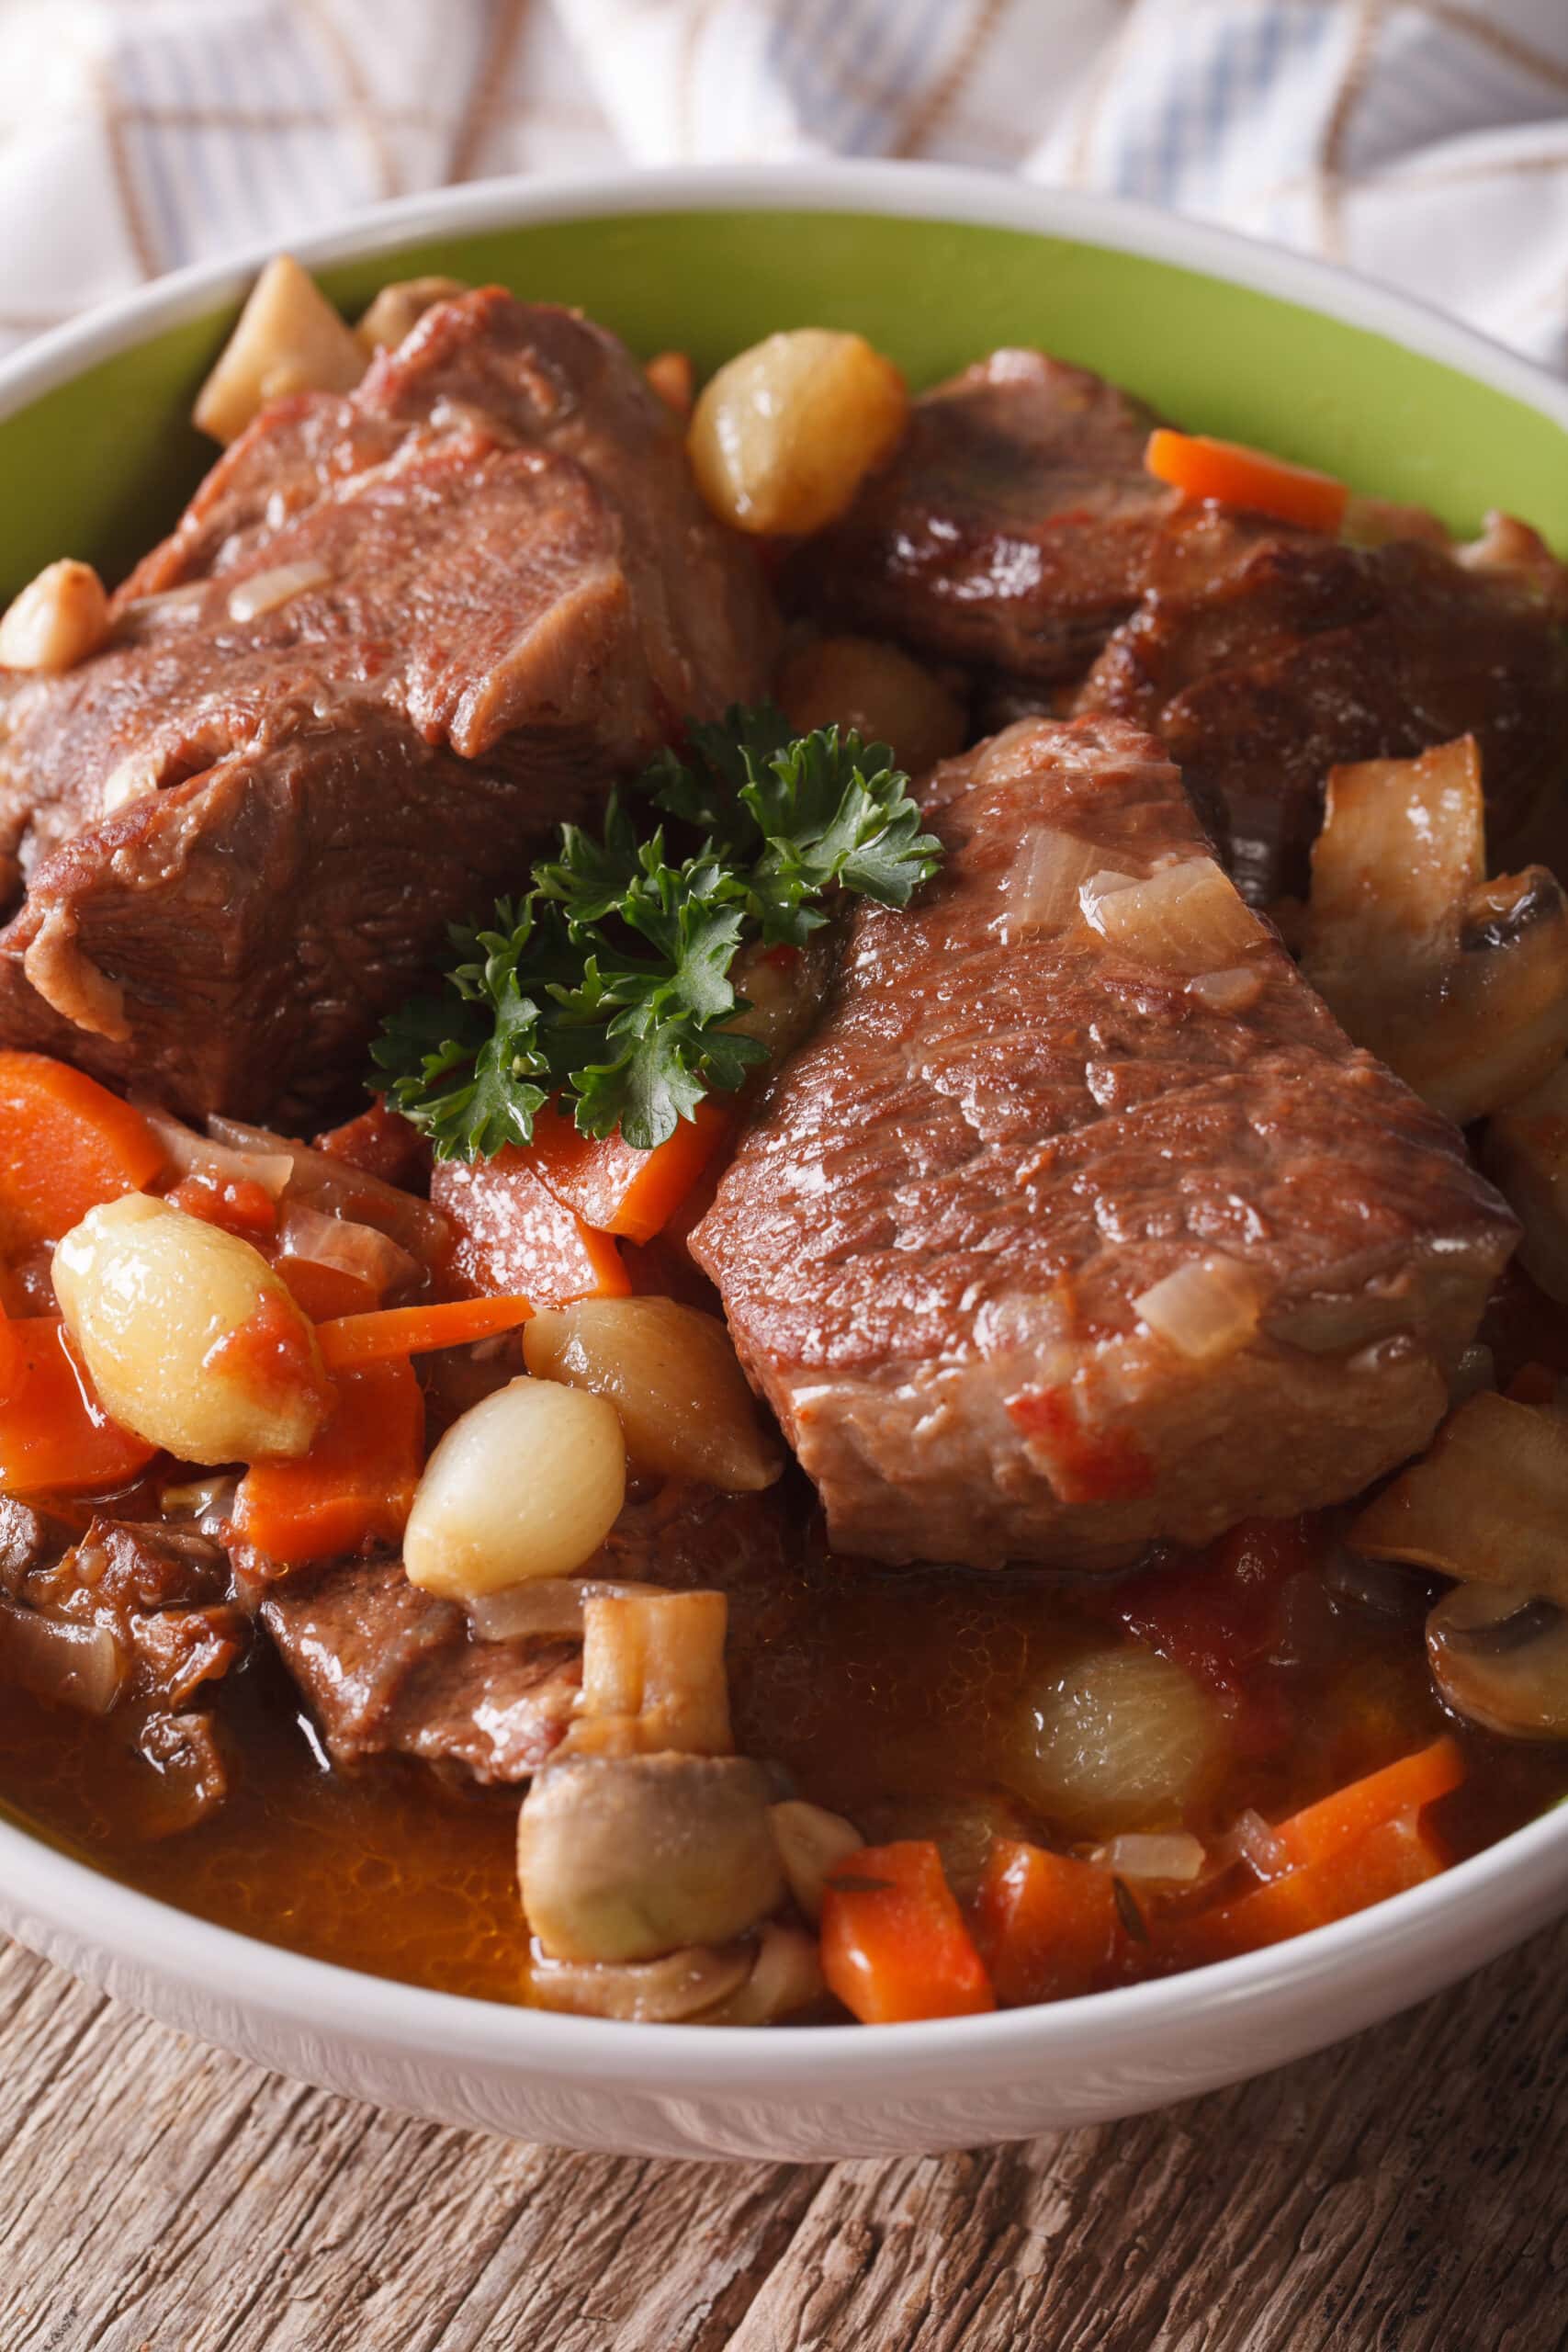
(1459, 984)
(629, 1858)
(1501, 1659)
(646, 1992)
(1488, 1503)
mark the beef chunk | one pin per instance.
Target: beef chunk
(29, 1538)
(161, 1591)
(933, 1243)
(1010, 531)
(388, 1669)
(1263, 658)
(397, 637)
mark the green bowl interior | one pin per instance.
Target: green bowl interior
(99, 467)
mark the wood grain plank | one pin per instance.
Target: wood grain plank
(1409, 2190)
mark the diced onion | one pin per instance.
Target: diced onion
(76, 1665)
(264, 592)
(337, 1188)
(1205, 1311)
(1235, 990)
(1040, 888)
(1250, 1840)
(1187, 917)
(195, 1155)
(1488, 1504)
(1175, 1856)
(347, 1247)
(549, 1605)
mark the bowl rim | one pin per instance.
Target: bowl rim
(49, 1893)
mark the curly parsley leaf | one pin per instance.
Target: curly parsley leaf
(609, 982)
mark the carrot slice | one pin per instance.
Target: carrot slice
(1322, 1831)
(1385, 1860)
(615, 1189)
(353, 1341)
(1046, 1924)
(355, 1485)
(66, 1143)
(513, 1236)
(55, 1437)
(1237, 476)
(894, 1941)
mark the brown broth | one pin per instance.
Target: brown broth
(895, 1696)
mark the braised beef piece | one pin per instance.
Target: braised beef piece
(1011, 529)
(28, 1539)
(388, 1669)
(163, 1593)
(1263, 658)
(932, 1242)
(397, 638)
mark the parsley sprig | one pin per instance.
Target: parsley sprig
(608, 983)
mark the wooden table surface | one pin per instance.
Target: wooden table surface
(1408, 2191)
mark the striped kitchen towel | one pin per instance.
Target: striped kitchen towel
(1422, 140)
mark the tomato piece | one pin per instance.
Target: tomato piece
(380, 1142)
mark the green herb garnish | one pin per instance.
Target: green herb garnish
(608, 983)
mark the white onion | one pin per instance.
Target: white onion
(1124, 1739)
(1186, 918)
(526, 1483)
(1175, 1855)
(1040, 888)
(264, 591)
(1205, 1311)
(338, 1188)
(76, 1665)
(347, 1247)
(196, 1155)
(671, 1374)
(549, 1605)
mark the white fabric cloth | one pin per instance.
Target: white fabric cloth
(1424, 142)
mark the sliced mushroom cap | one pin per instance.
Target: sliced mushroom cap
(646, 1992)
(628, 1857)
(1501, 1659)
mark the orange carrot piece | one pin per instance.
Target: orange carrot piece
(1235, 475)
(55, 1437)
(894, 1941)
(66, 1143)
(513, 1238)
(355, 1485)
(1384, 1861)
(353, 1341)
(618, 1189)
(1045, 1924)
(1322, 1831)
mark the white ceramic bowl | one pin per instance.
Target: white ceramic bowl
(820, 2092)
